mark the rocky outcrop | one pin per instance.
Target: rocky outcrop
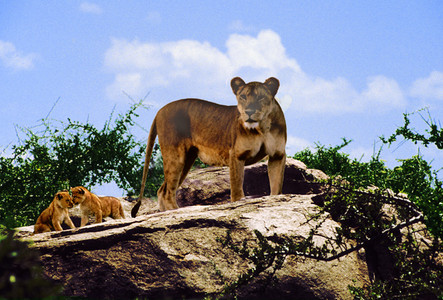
(211, 185)
(177, 254)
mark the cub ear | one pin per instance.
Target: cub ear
(59, 196)
(236, 84)
(272, 84)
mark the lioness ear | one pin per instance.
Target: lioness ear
(272, 84)
(236, 84)
(81, 191)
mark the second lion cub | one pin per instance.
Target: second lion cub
(100, 207)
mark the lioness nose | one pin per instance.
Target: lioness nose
(249, 112)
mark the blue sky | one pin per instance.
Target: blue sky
(347, 68)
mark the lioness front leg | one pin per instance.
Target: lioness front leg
(236, 175)
(276, 172)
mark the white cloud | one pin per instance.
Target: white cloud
(285, 102)
(12, 58)
(263, 52)
(321, 95)
(192, 66)
(384, 92)
(295, 144)
(197, 65)
(127, 82)
(125, 56)
(90, 8)
(429, 88)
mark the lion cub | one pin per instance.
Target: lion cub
(100, 207)
(56, 213)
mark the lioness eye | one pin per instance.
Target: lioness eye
(243, 97)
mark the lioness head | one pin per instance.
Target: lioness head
(64, 199)
(78, 194)
(255, 99)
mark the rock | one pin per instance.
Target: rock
(211, 185)
(176, 254)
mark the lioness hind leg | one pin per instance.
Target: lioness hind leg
(173, 170)
(166, 196)
(190, 158)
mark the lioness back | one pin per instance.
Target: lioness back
(198, 123)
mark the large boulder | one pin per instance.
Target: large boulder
(209, 186)
(176, 254)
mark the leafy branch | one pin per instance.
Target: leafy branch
(434, 132)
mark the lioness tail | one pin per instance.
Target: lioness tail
(149, 147)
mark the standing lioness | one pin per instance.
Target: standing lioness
(232, 136)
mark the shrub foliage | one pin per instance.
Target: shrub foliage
(57, 155)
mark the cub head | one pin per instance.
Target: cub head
(78, 194)
(255, 100)
(63, 199)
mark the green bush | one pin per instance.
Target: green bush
(416, 177)
(57, 155)
(417, 271)
(413, 176)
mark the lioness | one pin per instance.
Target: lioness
(56, 213)
(232, 136)
(100, 207)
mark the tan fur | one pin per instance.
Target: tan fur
(232, 136)
(55, 214)
(100, 207)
